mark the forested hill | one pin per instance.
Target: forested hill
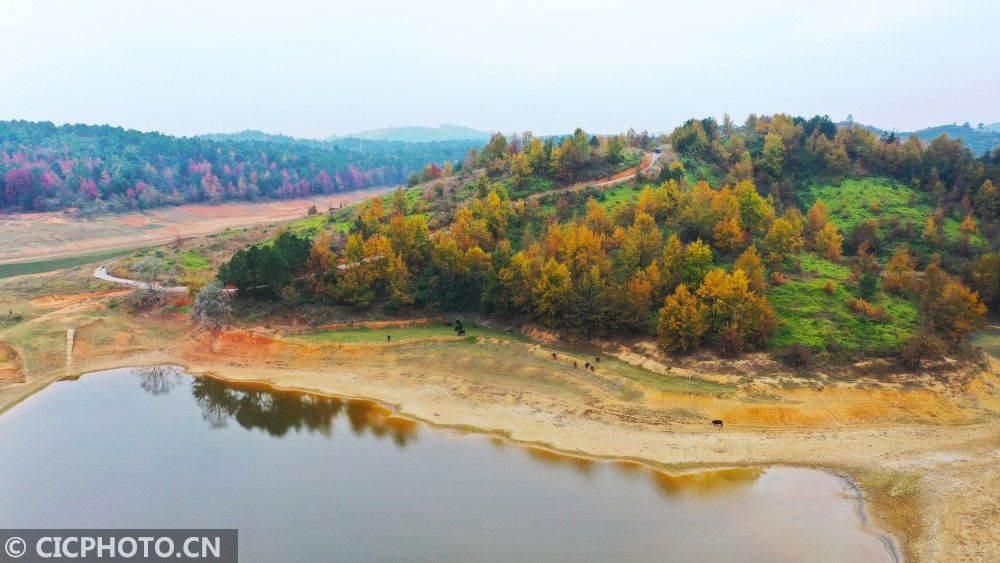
(48, 167)
(788, 234)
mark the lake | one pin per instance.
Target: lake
(309, 478)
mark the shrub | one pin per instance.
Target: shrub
(921, 346)
(211, 307)
(866, 310)
(798, 355)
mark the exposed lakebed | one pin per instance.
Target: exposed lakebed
(308, 478)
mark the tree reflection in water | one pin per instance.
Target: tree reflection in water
(277, 412)
(703, 482)
(159, 380)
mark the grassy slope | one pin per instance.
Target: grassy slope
(811, 316)
(850, 203)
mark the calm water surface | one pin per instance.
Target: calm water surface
(310, 479)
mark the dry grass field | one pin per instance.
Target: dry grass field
(31, 237)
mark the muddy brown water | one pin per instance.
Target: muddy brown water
(308, 478)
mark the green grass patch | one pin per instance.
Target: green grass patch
(811, 316)
(823, 268)
(853, 201)
(191, 261)
(697, 171)
(618, 195)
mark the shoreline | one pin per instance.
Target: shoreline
(898, 543)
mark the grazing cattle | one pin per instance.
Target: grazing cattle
(575, 365)
(388, 338)
(461, 332)
(717, 422)
(597, 359)
(592, 367)
(553, 355)
(586, 365)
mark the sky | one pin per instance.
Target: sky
(316, 68)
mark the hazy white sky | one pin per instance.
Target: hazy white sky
(314, 68)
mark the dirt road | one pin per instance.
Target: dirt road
(101, 273)
(649, 159)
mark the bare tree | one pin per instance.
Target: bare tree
(149, 270)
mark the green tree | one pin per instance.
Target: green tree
(772, 157)
(695, 263)
(782, 241)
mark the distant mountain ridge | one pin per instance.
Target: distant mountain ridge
(981, 138)
(254, 135)
(409, 134)
(419, 134)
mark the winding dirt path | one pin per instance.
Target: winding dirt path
(101, 273)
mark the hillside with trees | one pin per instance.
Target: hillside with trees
(813, 241)
(44, 167)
